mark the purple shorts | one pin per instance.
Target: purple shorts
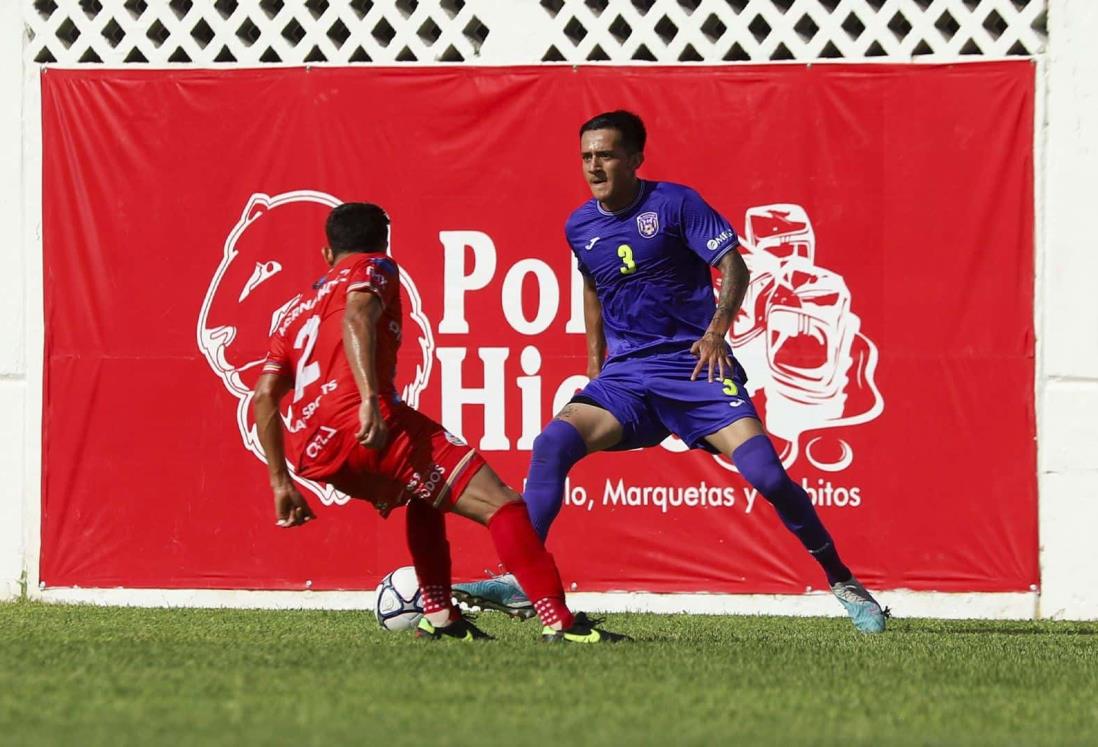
(653, 397)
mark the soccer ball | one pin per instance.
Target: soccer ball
(397, 603)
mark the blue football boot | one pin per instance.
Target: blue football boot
(500, 593)
(865, 613)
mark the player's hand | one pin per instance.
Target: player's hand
(712, 351)
(291, 508)
(594, 368)
(372, 431)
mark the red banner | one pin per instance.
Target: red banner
(183, 209)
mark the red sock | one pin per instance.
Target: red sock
(426, 532)
(522, 551)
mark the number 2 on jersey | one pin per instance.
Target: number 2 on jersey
(628, 265)
(307, 372)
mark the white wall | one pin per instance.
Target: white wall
(13, 348)
(1068, 317)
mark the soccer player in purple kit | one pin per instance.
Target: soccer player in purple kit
(656, 350)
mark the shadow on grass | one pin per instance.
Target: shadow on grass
(993, 628)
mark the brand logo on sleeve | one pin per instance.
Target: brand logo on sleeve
(716, 241)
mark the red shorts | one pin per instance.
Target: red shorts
(421, 460)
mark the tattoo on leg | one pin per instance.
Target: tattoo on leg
(565, 412)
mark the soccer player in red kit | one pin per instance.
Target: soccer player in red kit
(334, 352)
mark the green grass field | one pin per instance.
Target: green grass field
(90, 675)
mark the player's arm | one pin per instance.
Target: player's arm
(592, 318)
(291, 508)
(359, 344)
(711, 349)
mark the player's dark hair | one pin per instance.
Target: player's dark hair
(357, 227)
(633, 134)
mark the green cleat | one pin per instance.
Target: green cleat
(460, 630)
(500, 593)
(865, 613)
(583, 630)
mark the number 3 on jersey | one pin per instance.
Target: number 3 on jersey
(628, 265)
(307, 372)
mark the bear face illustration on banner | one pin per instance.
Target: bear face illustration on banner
(269, 255)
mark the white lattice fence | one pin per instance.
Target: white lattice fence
(216, 32)
(725, 30)
(227, 32)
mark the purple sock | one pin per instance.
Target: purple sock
(759, 464)
(556, 450)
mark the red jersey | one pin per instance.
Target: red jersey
(307, 346)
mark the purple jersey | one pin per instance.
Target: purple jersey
(650, 265)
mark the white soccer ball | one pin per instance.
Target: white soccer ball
(397, 602)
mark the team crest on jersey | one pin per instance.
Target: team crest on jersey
(648, 224)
